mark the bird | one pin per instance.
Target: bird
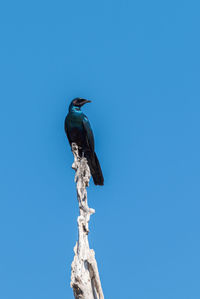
(79, 131)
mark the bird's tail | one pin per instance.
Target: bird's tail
(95, 168)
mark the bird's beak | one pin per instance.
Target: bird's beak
(84, 102)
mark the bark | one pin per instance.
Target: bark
(85, 280)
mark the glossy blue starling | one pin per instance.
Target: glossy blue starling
(78, 130)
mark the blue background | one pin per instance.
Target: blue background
(138, 61)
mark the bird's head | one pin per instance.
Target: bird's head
(77, 103)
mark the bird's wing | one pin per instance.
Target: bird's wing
(88, 133)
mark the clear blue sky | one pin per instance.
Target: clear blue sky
(139, 63)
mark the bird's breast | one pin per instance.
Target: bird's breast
(74, 124)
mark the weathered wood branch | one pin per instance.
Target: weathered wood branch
(85, 280)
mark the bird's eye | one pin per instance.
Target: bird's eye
(77, 101)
